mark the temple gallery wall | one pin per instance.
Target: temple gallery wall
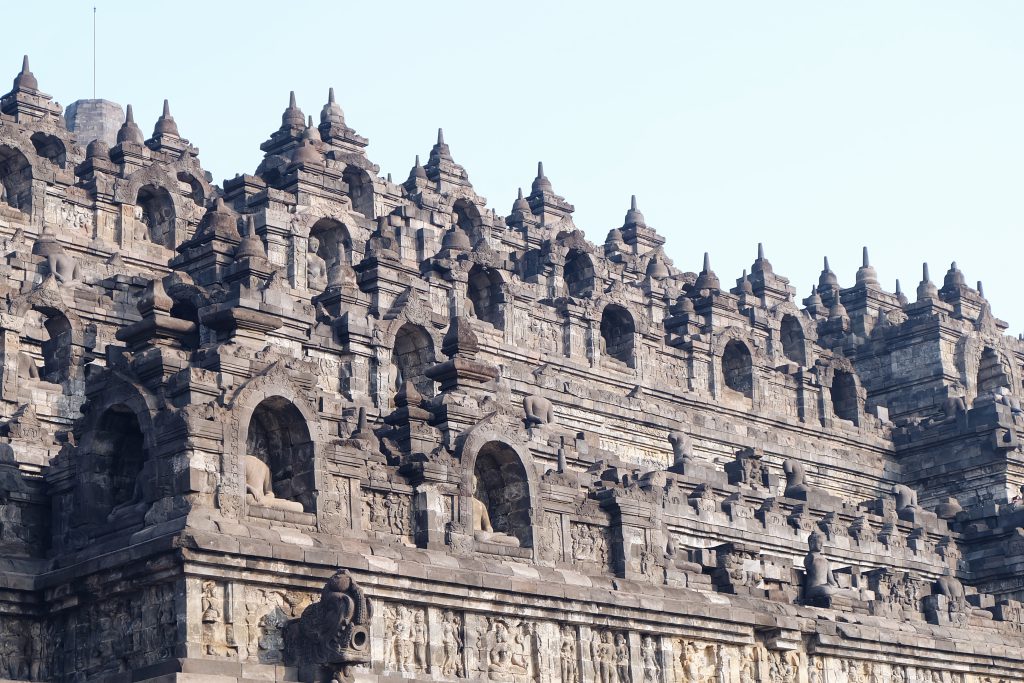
(316, 424)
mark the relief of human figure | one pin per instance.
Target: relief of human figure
(567, 655)
(451, 639)
(649, 657)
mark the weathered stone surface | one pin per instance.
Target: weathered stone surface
(315, 424)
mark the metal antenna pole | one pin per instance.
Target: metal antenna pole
(94, 52)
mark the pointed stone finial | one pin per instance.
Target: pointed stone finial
(838, 310)
(656, 268)
(927, 289)
(293, 116)
(827, 281)
(439, 151)
(900, 296)
(634, 218)
(954, 278)
(418, 172)
(866, 274)
(251, 245)
(25, 80)
(814, 299)
(520, 204)
(762, 267)
(129, 131)
(165, 125)
(744, 284)
(332, 114)
(541, 183)
(707, 278)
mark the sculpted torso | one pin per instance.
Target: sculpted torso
(259, 485)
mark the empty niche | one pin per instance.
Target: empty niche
(617, 333)
(738, 368)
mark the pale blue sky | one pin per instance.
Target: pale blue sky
(815, 127)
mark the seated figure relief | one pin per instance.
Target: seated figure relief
(820, 583)
(316, 267)
(539, 411)
(259, 485)
(482, 529)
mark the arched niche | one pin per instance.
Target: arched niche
(192, 188)
(792, 334)
(278, 436)
(484, 290)
(118, 456)
(579, 274)
(360, 190)
(50, 147)
(15, 179)
(411, 355)
(503, 486)
(335, 242)
(993, 373)
(467, 216)
(617, 334)
(845, 401)
(47, 340)
(738, 368)
(157, 213)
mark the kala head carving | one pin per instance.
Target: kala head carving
(332, 635)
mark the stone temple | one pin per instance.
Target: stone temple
(318, 425)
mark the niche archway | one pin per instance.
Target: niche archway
(485, 291)
(157, 209)
(278, 435)
(335, 242)
(15, 179)
(503, 487)
(617, 333)
(738, 368)
(579, 274)
(50, 147)
(845, 403)
(792, 333)
(411, 355)
(118, 457)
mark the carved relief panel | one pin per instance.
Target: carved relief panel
(589, 544)
(388, 512)
(405, 639)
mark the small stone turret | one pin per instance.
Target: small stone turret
(130, 132)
